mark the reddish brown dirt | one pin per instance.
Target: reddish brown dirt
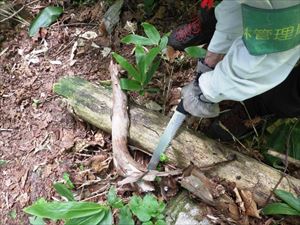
(37, 131)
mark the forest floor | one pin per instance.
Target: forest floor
(40, 140)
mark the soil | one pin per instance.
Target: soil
(39, 138)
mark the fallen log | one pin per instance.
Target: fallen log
(93, 104)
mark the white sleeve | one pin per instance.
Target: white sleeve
(229, 26)
(240, 76)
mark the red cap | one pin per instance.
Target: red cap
(207, 3)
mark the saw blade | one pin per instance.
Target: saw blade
(165, 139)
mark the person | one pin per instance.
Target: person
(251, 59)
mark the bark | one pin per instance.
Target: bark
(94, 103)
(124, 163)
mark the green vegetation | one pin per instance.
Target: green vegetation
(148, 210)
(146, 65)
(290, 205)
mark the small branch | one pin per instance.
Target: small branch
(124, 163)
(290, 160)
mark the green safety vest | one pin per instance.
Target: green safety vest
(268, 31)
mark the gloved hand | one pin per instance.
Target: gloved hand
(194, 101)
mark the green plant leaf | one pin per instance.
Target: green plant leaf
(107, 220)
(151, 32)
(13, 214)
(130, 85)
(136, 39)
(68, 181)
(3, 162)
(113, 200)
(279, 138)
(151, 71)
(137, 207)
(146, 208)
(88, 220)
(280, 209)
(127, 66)
(125, 216)
(140, 60)
(64, 191)
(64, 210)
(160, 222)
(45, 18)
(139, 53)
(150, 56)
(289, 199)
(163, 42)
(33, 220)
(148, 223)
(195, 51)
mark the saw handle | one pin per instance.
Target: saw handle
(181, 109)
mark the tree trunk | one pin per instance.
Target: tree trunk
(93, 104)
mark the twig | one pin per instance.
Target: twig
(291, 160)
(3, 129)
(12, 15)
(232, 135)
(248, 114)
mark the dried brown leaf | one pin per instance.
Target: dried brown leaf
(250, 204)
(172, 53)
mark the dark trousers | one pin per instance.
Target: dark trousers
(283, 101)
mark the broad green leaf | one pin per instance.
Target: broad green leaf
(140, 60)
(195, 52)
(107, 220)
(138, 209)
(45, 18)
(148, 223)
(150, 56)
(130, 85)
(139, 53)
(3, 162)
(160, 222)
(280, 209)
(88, 220)
(64, 191)
(152, 206)
(13, 214)
(146, 208)
(136, 39)
(125, 216)
(127, 66)
(163, 42)
(151, 71)
(33, 220)
(289, 199)
(63, 210)
(69, 183)
(113, 200)
(152, 33)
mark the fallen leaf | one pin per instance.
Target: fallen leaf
(89, 35)
(172, 53)
(105, 52)
(130, 26)
(239, 200)
(250, 204)
(99, 162)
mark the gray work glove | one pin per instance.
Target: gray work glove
(194, 101)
